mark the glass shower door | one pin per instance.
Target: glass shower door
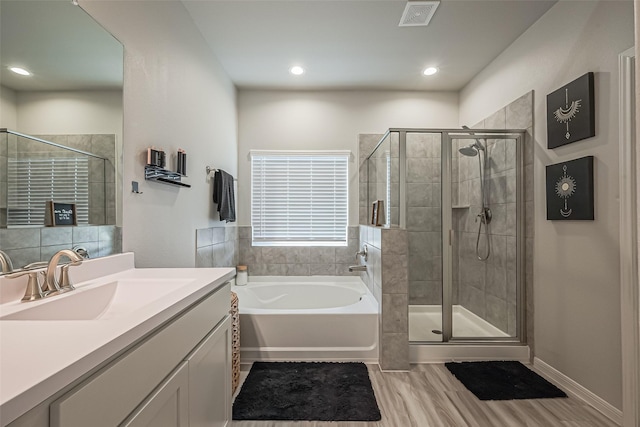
(484, 266)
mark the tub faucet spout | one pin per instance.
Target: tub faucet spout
(353, 268)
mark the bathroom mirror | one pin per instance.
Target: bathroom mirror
(72, 98)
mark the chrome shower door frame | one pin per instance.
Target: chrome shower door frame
(448, 135)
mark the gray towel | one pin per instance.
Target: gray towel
(224, 196)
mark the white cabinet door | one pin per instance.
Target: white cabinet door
(114, 392)
(168, 404)
(210, 379)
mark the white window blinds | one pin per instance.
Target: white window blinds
(299, 198)
(32, 182)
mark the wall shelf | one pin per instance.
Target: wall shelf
(155, 173)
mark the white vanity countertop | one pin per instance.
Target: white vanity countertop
(39, 357)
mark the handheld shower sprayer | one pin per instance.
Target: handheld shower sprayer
(477, 148)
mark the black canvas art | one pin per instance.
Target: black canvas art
(571, 112)
(570, 190)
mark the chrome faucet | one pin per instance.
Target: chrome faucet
(5, 263)
(364, 252)
(51, 284)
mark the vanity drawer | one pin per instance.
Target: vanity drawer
(109, 396)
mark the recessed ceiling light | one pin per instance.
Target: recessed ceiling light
(430, 71)
(296, 70)
(20, 71)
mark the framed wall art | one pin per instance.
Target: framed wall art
(61, 214)
(571, 112)
(570, 190)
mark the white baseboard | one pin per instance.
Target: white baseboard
(576, 390)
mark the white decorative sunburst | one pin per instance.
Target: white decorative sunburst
(565, 188)
(564, 115)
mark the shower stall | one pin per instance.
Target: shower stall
(459, 195)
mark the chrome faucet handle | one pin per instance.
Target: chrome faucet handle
(363, 253)
(65, 282)
(35, 265)
(34, 290)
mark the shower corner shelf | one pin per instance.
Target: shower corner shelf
(155, 173)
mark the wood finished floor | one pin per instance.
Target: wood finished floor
(429, 396)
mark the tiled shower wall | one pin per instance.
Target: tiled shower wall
(488, 288)
(424, 218)
(386, 277)
(27, 245)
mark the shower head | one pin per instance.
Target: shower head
(469, 150)
(472, 149)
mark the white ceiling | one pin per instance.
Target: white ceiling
(343, 44)
(357, 44)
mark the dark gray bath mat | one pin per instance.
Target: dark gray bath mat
(503, 380)
(300, 391)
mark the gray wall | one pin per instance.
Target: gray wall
(176, 94)
(328, 120)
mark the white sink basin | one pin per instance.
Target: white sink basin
(99, 302)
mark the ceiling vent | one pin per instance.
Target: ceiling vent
(418, 13)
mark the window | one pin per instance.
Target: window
(33, 182)
(299, 198)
